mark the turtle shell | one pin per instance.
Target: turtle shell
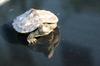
(32, 19)
(47, 16)
(26, 22)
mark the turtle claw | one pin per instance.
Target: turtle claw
(32, 41)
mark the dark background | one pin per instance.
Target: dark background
(79, 26)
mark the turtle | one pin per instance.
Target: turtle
(37, 23)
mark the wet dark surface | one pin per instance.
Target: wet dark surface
(79, 26)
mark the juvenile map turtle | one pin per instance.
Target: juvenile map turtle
(39, 23)
(36, 22)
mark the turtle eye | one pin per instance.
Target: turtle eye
(47, 23)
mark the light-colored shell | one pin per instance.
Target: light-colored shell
(26, 22)
(47, 16)
(32, 19)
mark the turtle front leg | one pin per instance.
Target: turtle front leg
(32, 37)
(37, 33)
(32, 41)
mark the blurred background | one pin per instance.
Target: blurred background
(79, 26)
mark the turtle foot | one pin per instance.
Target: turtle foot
(32, 41)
